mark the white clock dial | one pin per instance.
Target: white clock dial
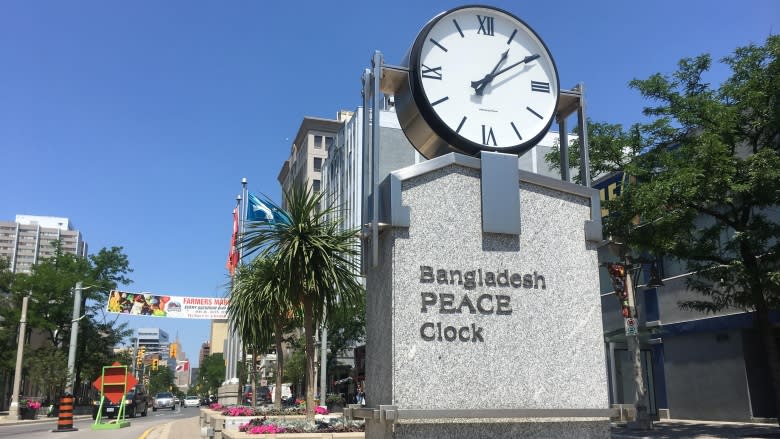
(485, 79)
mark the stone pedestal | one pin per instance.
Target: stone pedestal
(478, 334)
(229, 394)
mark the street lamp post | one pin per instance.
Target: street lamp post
(13, 410)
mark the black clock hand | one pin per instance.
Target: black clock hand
(480, 85)
(490, 76)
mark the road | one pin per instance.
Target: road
(138, 426)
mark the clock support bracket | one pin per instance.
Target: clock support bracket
(387, 79)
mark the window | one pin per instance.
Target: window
(328, 143)
(318, 142)
(316, 185)
(317, 164)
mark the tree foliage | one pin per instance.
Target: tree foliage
(709, 181)
(260, 313)
(211, 373)
(161, 380)
(314, 259)
(47, 368)
(346, 328)
(705, 172)
(50, 286)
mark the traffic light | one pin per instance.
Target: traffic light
(617, 272)
(154, 364)
(140, 356)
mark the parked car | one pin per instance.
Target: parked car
(263, 395)
(163, 400)
(136, 402)
(191, 401)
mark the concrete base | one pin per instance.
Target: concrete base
(625, 412)
(488, 429)
(228, 394)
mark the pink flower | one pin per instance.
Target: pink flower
(321, 410)
(266, 429)
(34, 405)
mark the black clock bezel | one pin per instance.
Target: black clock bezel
(441, 129)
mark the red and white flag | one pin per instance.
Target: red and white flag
(182, 366)
(232, 261)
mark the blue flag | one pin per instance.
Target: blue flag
(264, 210)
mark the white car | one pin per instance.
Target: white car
(191, 401)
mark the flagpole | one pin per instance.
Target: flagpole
(229, 351)
(237, 344)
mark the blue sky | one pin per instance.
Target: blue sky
(137, 120)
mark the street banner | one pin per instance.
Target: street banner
(181, 307)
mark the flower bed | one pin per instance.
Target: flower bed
(227, 421)
(265, 426)
(234, 434)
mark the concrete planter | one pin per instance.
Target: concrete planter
(220, 424)
(241, 435)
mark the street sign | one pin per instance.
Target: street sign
(632, 326)
(115, 382)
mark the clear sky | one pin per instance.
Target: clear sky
(138, 119)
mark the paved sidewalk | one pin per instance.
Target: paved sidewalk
(699, 429)
(188, 428)
(7, 420)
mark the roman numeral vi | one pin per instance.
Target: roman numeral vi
(487, 136)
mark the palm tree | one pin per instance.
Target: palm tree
(259, 313)
(314, 260)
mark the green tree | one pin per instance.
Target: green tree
(50, 311)
(47, 369)
(295, 368)
(259, 313)
(315, 261)
(161, 380)
(708, 182)
(345, 328)
(610, 149)
(211, 373)
(9, 318)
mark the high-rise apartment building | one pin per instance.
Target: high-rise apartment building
(29, 238)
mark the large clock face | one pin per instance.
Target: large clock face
(483, 80)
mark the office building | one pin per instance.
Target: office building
(309, 151)
(156, 341)
(205, 351)
(29, 238)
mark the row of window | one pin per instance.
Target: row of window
(318, 142)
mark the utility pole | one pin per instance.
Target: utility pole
(13, 411)
(74, 337)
